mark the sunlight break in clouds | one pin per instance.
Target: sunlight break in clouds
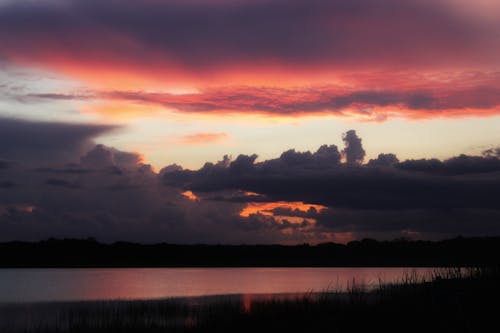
(268, 208)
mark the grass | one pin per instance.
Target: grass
(452, 300)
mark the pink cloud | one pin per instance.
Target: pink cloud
(203, 138)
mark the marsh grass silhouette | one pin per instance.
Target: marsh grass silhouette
(453, 300)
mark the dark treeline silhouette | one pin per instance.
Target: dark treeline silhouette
(367, 252)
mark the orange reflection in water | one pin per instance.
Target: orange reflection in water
(247, 300)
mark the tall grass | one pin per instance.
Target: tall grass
(449, 300)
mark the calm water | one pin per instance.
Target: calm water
(29, 285)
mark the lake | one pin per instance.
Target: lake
(34, 285)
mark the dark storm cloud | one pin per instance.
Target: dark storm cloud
(204, 35)
(420, 221)
(61, 182)
(70, 168)
(383, 198)
(384, 160)
(42, 143)
(353, 151)
(360, 187)
(112, 195)
(6, 184)
(459, 165)
(102, 157)
(439, 223)
(382, 184)
(5, 164)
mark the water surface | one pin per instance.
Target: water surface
(33, 285)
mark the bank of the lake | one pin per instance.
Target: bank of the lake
(89, 253)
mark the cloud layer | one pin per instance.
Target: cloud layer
(45, 143)
(427, 196)
(210, 36)
(465, 95)
(412, 59)
(330, 194)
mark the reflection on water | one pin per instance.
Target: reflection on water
(29, 285)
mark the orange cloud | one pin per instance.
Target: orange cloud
(376, 96)
(190, 195)
(203, 138)
(267, 209)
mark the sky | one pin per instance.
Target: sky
(249, 121)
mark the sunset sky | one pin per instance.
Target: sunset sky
(111, 109)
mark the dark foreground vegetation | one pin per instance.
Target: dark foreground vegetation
(455, 300)
(366, 253)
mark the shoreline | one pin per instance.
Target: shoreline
(89, 253)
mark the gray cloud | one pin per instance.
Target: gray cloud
(61, 183)
(492, 152)
(458, 165)
(424, 197)
(353, 151)
(384, 160)
(4, 164)
(44, 143)
(440, 223)
(112, 195)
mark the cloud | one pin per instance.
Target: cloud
(384, 160)
(358, 187)
(456, 97)
(101, 157)
(203, 138)
(459, 165)
(4, 164)
(42, 143)
(353, 152)
(112, 195)
(297, 197)
(436, 100)
(6, 184)
(58, 96)
(492, 152)
(176, 39)
(61, 182)
(422, 223)
(384, 196)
